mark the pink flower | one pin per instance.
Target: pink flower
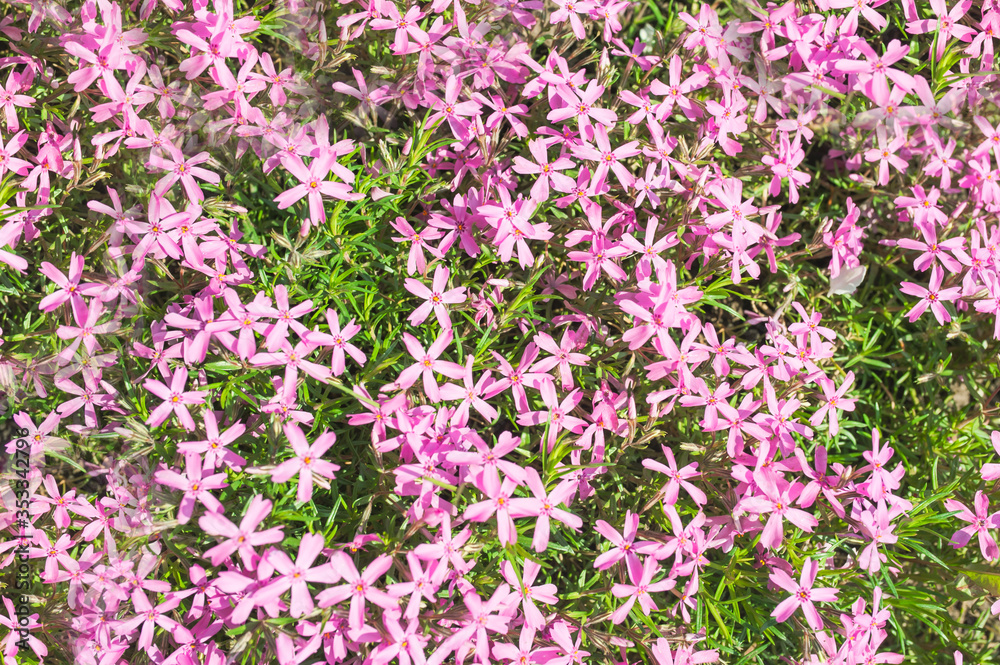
(12, 621)
(436, 298)
(624, 546)
(147, 616)
(991, 471)
(935, 252)
(542, 167)
(472, 394)
(293, 358)
(933, 296)
(881, 481)
(678, 478)
(834, 401)
(183, 169)
(571, 9)
(583, 108)
(10, 99)
(213, 446)
(544, 506)
(242, 538)
(338, 338)
(992, 140)
(608, 159)
(427, 364)
(313, 184)
(358, 587)
(803, 594)
(452, 110)
(286, 316)
(195, 487)
(945, 24)
(556, 414)
(642, 585)
(876, 526)
(569, 652)
(563, 355)
(175, 399)
(404, 24)
(885, 154)
(307, 460)
(529, 594)
(87, 328)
(416, 262)
(498, 503)
(297, 575)
(980, 523)
(69, 286)
(777, 501)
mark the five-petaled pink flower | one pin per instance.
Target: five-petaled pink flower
(980, 524)
(933, 296)
(803, 594)
(175, 399)
(307, 461)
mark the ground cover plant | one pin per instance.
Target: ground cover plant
(499, 332)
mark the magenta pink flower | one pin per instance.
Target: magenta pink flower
(544, 506)
(87, 328)
(11, 98)
(175, 399)
(623, 543)
(556, 413)
(991, 471)
(88, 398)
(980, 522)
(287, 316)
(293, 359)
(147, 616)
(498, 503)
(563, 356)
(528, 592)
(835, 401)
(307, 461)
(12, 621)
(314, 185)
(608, 159)
(933, 296)
(214, 445)
(359, 587)
(885, 154)
(435, 298)
(428, 363)
(545, 170)
(571, 9)
(678, 478)
(423, 584)
(452, 110)
(416, 261)
(640, 589)
(803, 594)
(338, 338)
(583, 108)
(195, 486)
(935, 252)
(777, 500)
(472, 393)
(69, 285)
(242, 538)
(183, 169)
(875, 525)
(297, 575)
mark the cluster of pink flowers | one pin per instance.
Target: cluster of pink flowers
(626, 186)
